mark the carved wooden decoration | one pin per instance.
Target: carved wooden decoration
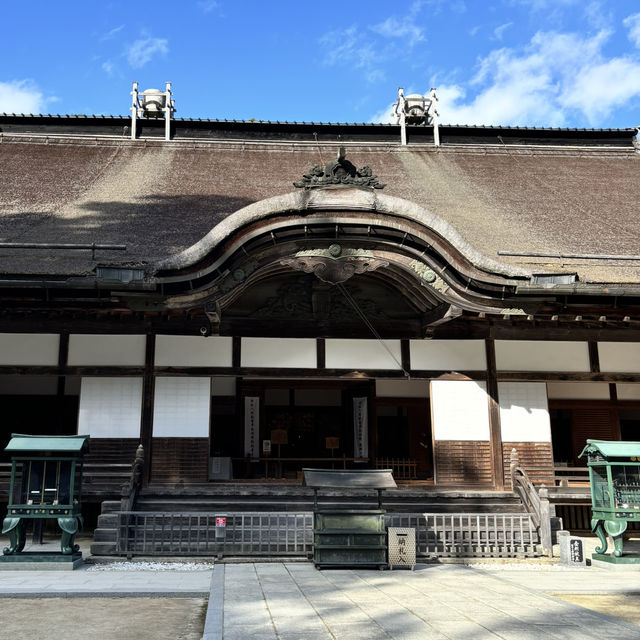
(331, 270)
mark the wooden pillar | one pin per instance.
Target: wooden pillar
(497, 468)
(63, 358)
(594, 357)
(146, 422)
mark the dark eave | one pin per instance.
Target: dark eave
(311, 131)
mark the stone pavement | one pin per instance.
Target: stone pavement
(86, 583)
(293, 600)
(288, 601)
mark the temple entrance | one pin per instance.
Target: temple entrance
(403, 437)
(300, 423)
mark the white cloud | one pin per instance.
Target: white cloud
(632, 23)
(554, 78)
(22, 96)
(145, 49)
(208, 5)
(112, 33)
(108, 67)
(403, 28)
(498, 32)
(384, 115)
(347, 45)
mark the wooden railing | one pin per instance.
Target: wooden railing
(131, 490)
(403, 468)
(535, 502)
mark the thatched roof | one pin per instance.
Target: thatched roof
(159, 198)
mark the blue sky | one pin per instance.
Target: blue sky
(559, 63)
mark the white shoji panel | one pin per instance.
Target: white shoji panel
(460, 410)
(181, 407)
(110, 407)
(524, 414)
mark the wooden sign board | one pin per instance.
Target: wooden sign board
(332, 443)
(279, 436)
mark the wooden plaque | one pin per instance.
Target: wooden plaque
(332, 443)
(279, 436)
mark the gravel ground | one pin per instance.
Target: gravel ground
(104, 618)
(151, 566)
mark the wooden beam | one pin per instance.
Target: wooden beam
(495, 433)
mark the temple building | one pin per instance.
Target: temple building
(248, 298)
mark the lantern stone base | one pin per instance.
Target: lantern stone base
(606, 561)
(41, 561)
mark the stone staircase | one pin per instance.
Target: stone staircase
(227, 498)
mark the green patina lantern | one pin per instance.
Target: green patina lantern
(349, 537)
(46, 483)
(614, 475)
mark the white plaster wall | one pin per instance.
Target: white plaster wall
(29, 349)
(193, 351)
(578, 390)
(524, 413)
(110, 407)
(181, 407)
(460, 410)
(362, 354)
(279, 352)
(28, 385)
(538, 355)
(628, 391)
(619, 357)
(402, 388)
(449, 355)
(106, 350)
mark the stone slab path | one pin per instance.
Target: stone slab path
(294, 601)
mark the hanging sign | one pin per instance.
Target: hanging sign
(360, 428)
(251, 427)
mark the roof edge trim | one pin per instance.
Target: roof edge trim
(335, 199)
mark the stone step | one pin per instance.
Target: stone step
(109, 506)
(103, 549)
(160, 504)
(107, 521)
(105, 535)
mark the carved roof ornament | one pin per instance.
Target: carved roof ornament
(334, 264)
(339, 172)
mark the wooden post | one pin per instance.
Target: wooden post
(63, 358)
(495, 434)
(545, 522)
(146, 422)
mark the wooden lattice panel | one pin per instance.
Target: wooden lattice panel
(463, 462)
(180, 459)
(536, 458)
